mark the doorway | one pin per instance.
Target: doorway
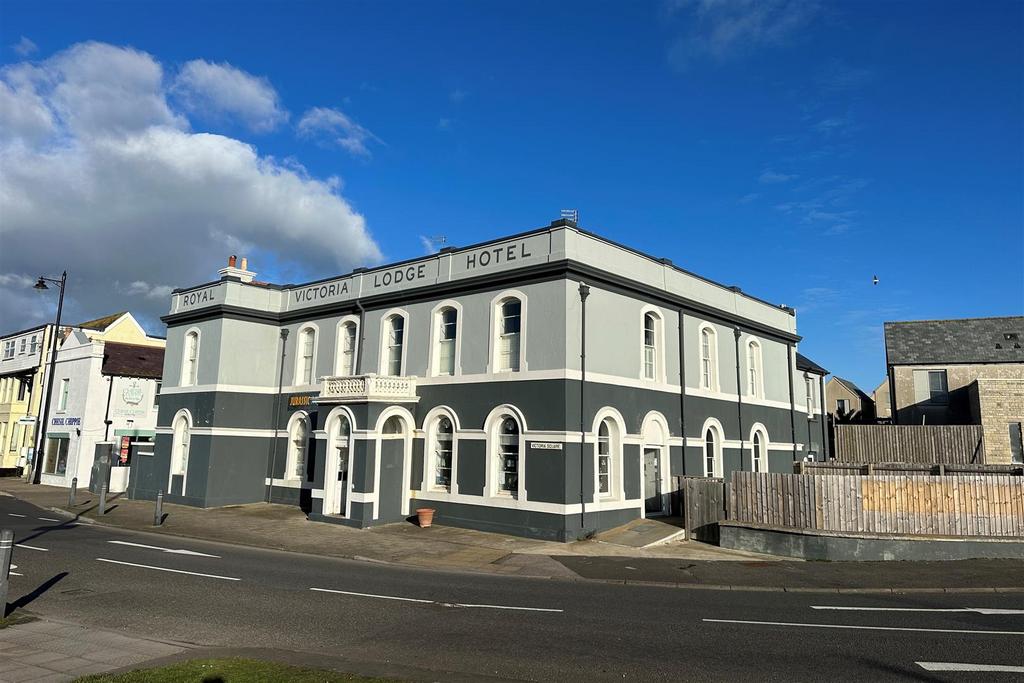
(652, 481)
(339, 457)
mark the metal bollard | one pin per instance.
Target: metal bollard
(6, 550)
(158, 512)
(103, 500)
(72, 492)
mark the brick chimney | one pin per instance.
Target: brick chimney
(233, 272)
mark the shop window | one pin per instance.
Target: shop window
(56, 457)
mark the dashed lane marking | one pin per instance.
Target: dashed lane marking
(976, 610)
(31, 547)
(867, 628)
(957, 666)
(434, 602)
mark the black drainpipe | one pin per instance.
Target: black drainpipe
(277, 412)
(584, 293)
(682, 389)
(821, 405)
(791, 352)
(739, 397)
(362, 337)
(106, 414)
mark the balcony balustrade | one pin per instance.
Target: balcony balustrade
(369, 387)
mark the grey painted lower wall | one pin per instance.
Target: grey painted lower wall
(863, 547)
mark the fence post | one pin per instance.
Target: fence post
(871, 468)
(801, 467)
(158, 511)
(72, 492)
(942, 470)
(103, 500)
(6, 550)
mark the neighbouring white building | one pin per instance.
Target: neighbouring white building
(106, 388)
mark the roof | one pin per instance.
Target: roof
(101, 323)
(132, 360)
(808, 365)
(967, 340)
(853, 388)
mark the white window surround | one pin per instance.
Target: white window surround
(385, 335)
(655, 434)
(810, 387)
(430, 425)
(290, 460)
(179, 459)
(759, 429)
(407, 435)
(617, 434)
(495, 331)
(435, 335)
(62, 397)
(339, 351)
(712, 360)
(755, 368)
(716, 427)
(190, 366)
(659, 344)
(297, 376)
(491, 426)
(332, 423)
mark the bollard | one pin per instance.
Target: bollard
(103, 499)
(158, 511)
(72, 492)
(6, 549)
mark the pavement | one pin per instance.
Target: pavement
(429, 624)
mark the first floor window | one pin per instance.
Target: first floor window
(650, 346)
(809, 384)
(8, 349)
(448, 329)
(508, 456)
(708, 358)
(56, 456)
(307, 344)
(842, 406)
(395, 341)
(190, 372)
(443, 442)
(65, 388)
(347, 365)
(508, 335)
(604, 459)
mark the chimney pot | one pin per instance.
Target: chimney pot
(245, 263)
(232, 260)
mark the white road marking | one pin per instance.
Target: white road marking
(165, 569)
(868, 628)
(31, 547)
(977, 610)
(175, 551)
(434, 602)
(11, 514)
(49, 519)
(955, 666)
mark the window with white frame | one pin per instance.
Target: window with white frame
(509, 326)
(711, 453)
(346, 364)
(809, 388)
(755, 381)
(9, 349)
(306, 356)
(298, 443)
(758, 452)
(65, 389)
(156, 394)
(442, 447)
(609, 457)
(508, 456)
(24, 345)
(708, 358)
(447, 332)
(651, 346)
(395, 328)
(180, 445)
(190, 368)
(33, 344)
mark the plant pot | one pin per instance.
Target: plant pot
(425, 516)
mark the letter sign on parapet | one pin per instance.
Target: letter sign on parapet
(496, 255)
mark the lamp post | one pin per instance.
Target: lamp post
(37, 459)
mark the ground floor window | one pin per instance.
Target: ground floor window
(56, 458)
(443, 454)
(508, 456)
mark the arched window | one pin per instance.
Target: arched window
(650, 346)
(394, 343)
(708, 358)
(393, 425)
(298, 443)
(711, 468)
(755, 383)
(447, 331)
(442, 449)
(346, 362)
(509, 325)
(758, 453)
(190, 366)
(306, 356)
(609, 458)
(343, 445)
(179, 447)
(508, 456)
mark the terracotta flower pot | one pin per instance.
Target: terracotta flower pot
(425, 516)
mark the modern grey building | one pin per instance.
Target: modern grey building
(457, 382)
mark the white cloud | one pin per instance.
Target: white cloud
(210, 89)
(770, 177)
(25, 47)
(333, 127)
(129, 195)
(725, 29)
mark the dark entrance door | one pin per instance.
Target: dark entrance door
(652, 481)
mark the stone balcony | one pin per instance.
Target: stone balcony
(369, 387)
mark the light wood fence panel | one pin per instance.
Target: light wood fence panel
(960, 444)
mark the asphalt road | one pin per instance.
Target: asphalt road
(433, 624)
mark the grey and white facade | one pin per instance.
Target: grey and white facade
(455, 381)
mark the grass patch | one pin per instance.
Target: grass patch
(231, 670)
(14, 619)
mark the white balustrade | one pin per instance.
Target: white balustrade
(369, 387)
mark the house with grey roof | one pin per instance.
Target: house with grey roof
(846, 402)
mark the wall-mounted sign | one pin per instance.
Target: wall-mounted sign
(546, 445)
(27, 420)
(66, 422)
(300, 401)
(133, 393)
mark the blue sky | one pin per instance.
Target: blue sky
(793, 149)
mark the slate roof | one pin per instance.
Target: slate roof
(853, 388)
(808, 365)
(132, 360)
(101, 323)
(968, 340)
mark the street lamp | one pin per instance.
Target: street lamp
(37, 458)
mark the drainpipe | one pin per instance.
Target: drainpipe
(682, 389)
(739, 397)
(277, 412)
(106, 414)
(792, 400)
(824, 433)
(584, 293)
(362, 337)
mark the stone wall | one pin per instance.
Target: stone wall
(996, 404)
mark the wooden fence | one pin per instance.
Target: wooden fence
(804, 467)
(948, 444)
(702, 504)
(964, 505)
